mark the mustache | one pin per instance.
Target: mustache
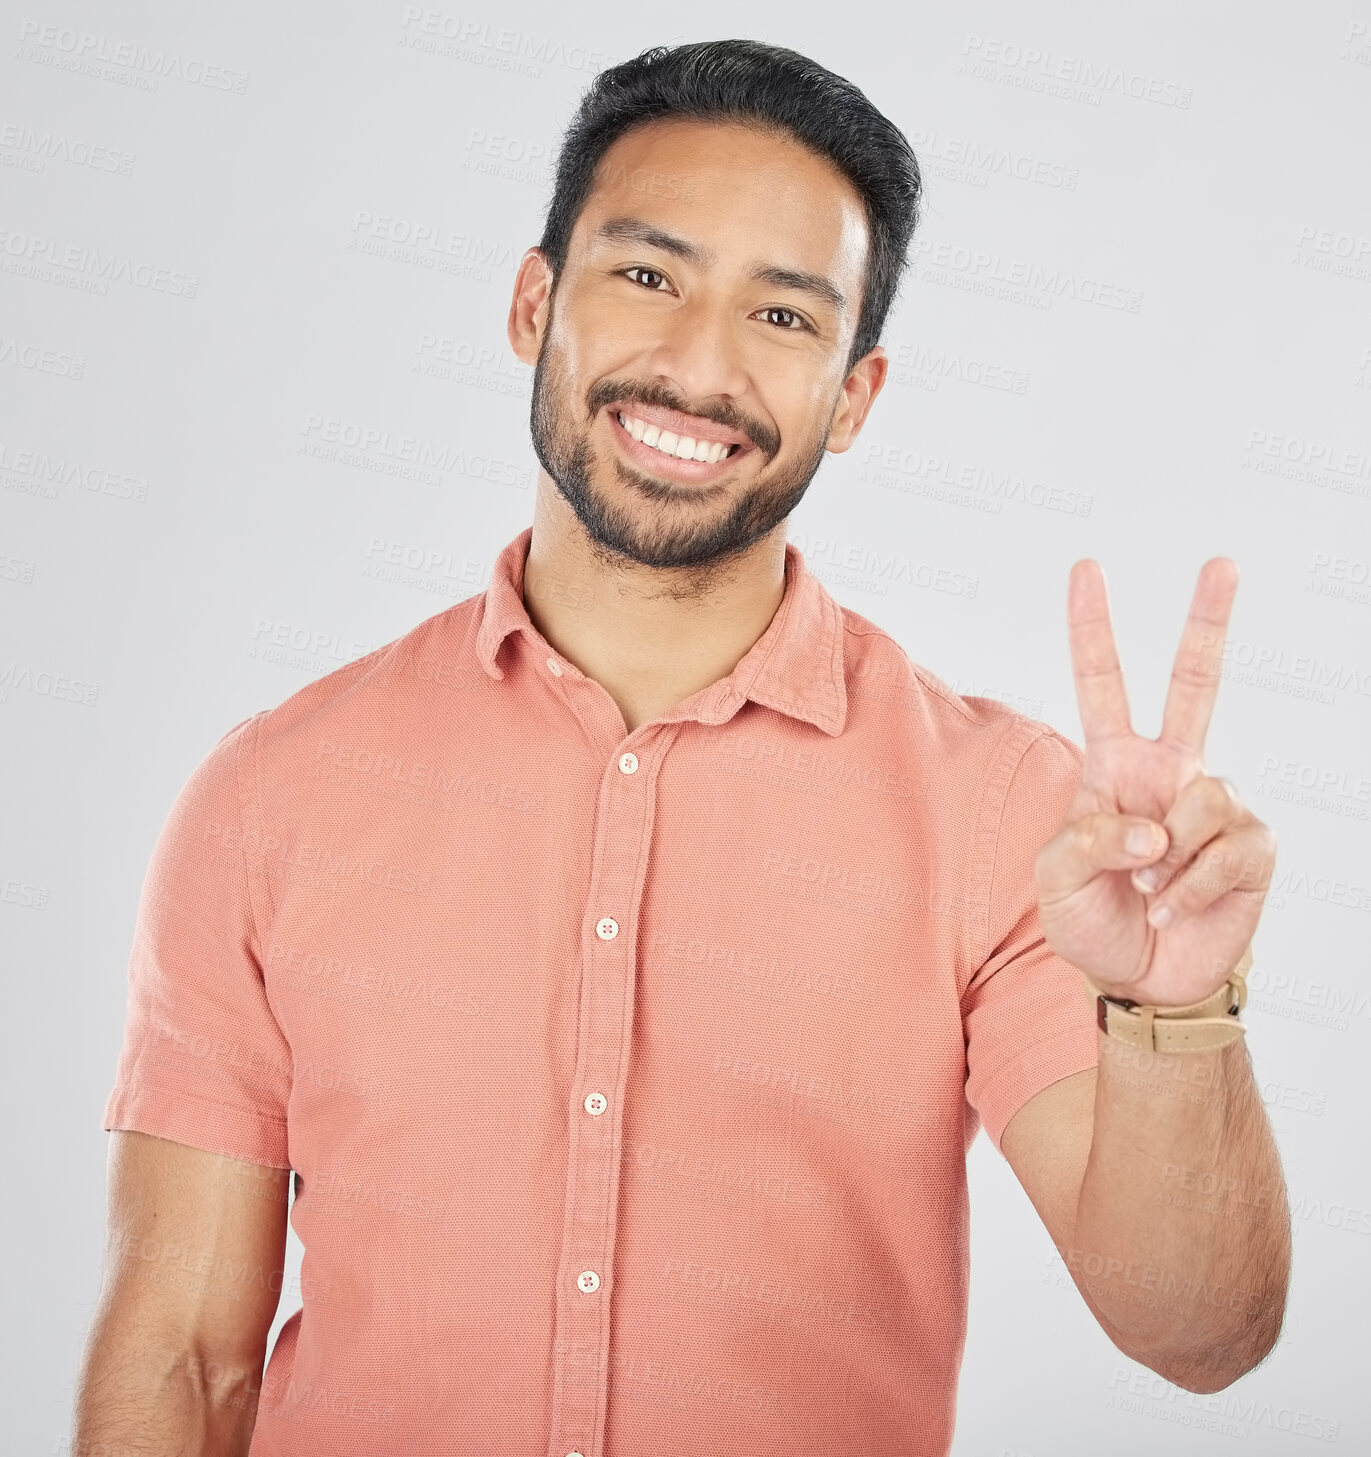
(649, 392)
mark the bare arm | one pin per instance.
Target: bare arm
(195, 1248)
(1184, 1185)
(1160, 1184)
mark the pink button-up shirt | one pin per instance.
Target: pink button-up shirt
(628, 1079)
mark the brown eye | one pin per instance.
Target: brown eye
(799, 323)
(650, 272)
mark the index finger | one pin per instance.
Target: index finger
(1094, 656)
(1199, 659)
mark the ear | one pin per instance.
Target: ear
(528, 310)
(860, 389)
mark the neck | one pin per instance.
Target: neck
(650, 636)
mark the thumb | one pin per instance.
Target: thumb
(1079, 851)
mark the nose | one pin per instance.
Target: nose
(700, 350)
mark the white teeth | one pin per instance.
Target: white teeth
(683, 447)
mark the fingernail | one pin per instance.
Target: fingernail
(1159, 916)
(1141, 839)
(1148, 878)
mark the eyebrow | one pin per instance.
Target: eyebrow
(635, 230)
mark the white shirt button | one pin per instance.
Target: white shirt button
(573, 1454)
(628, 763)
(588, 1280)
(607, 929)
(596, 1103)
(554, 667)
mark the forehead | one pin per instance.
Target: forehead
(745, 194)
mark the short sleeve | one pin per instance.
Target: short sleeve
(1026, 1013)
(204, 1061)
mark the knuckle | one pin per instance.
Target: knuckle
(1183, 897)
(1222, 792)
(1202, 884)
(1088, 835)
(1212, 871)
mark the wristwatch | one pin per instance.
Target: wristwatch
(1211, 1022)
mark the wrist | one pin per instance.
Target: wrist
(1208, 1023)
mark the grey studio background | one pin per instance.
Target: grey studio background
(258, 416)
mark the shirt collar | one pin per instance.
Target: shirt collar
(795, 667)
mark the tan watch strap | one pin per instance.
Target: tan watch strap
(1210, 1022)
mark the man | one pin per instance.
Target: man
(625, 958)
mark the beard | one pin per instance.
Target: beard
(684, 533)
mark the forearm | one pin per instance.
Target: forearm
(1181, 1242)
(141, 1395)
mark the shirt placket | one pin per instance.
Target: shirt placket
(585, 1278)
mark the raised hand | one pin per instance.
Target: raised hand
(1173, 940)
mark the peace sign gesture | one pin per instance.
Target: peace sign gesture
(1168, 935)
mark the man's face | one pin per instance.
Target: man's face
(710, 294)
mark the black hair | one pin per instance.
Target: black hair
(772, 89)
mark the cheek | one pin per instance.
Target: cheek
(603, 327)
(803, 412)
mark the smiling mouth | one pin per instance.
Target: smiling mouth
(673, 447)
